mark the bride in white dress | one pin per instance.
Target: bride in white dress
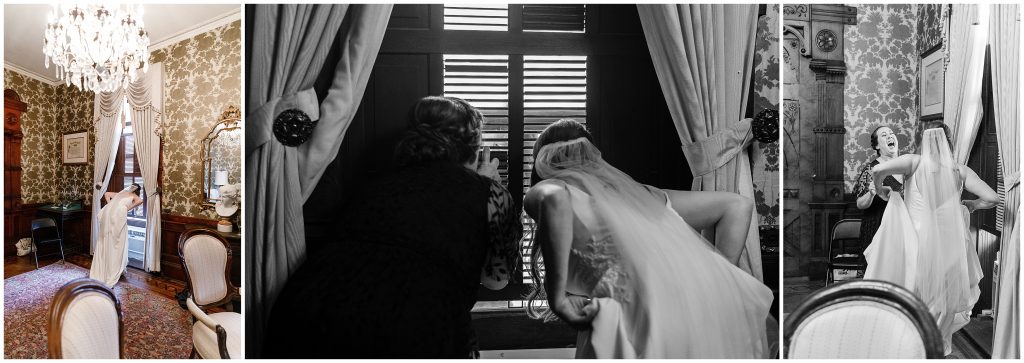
(923, 242)
(111, 256)
(623, 266)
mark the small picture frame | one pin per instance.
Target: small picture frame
(75, 148)
(932, 83)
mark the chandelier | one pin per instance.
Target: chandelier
(98, 48)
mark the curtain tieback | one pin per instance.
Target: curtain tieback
(706, 156)
(260, 123)
(1012, 181)
(98, 186)
(157, 191)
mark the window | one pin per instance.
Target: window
(519, 94)
(127, 172)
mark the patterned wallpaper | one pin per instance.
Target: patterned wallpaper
(765, 157)
(929, 26)
(202, 78)
(44, 178)
(881, 80)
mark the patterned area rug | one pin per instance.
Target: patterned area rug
(155, 326)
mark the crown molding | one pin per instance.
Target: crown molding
(216, 22)
(30, 74)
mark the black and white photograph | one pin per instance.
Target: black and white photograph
(900, 185)
(512, 181)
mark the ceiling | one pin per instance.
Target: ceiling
(24, 26)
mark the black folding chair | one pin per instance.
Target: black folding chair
(845, 249)
(44, 230)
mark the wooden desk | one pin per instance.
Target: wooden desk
(74, 226)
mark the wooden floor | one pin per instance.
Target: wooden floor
(162, 286)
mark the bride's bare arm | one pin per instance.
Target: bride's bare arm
(136, 201)
(549, 204)
(728, 213)
(987, 198)
(904, 164)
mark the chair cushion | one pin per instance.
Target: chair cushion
(859, 330)
(90, 328)
(205, 339)
(206, 260)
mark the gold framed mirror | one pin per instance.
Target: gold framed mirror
(222, 155)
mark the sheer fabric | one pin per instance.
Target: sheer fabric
(923, 241)
(663, 291)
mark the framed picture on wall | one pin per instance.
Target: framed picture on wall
(75, 148)
(932, 83)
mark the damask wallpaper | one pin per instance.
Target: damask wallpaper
(765, 157)
(881, 80)
(52, 112)
(202, 78)
(929, 26)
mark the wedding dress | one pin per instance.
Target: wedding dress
(923, 242)
(661, 289)
(111, 255)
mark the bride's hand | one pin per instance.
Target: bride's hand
(883, 192)
(488, 168)
(577, 311)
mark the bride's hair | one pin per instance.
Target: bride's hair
(562, 130)
(927, 125)
(138, 189)
(441, 129)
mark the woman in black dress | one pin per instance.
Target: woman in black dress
(886, 145)
(410, 254)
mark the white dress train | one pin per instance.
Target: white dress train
(923, 243)
(111, 255)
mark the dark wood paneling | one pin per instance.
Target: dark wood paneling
(410, 16)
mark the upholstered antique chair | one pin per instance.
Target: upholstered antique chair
(862, 319)
(207, 261)
(85, 322)
(845, 249)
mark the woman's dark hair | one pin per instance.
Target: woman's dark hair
(441, 129)
(562, 130)
(138, 189)
(927, 125)
(874, 139)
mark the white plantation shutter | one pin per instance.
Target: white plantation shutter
(554, 18)
(476, 17)
(482, 80)
(554, 87)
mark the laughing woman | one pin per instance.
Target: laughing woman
(887, 147)
(410, 254)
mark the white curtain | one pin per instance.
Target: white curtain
(1004, 39)
(289, 47)
(703, 55)
(107, 112)
(145, 98)
(962, 108)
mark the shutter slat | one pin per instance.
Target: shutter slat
(554, 18)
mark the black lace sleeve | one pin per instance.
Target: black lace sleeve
(865, 179)
(505, 230)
